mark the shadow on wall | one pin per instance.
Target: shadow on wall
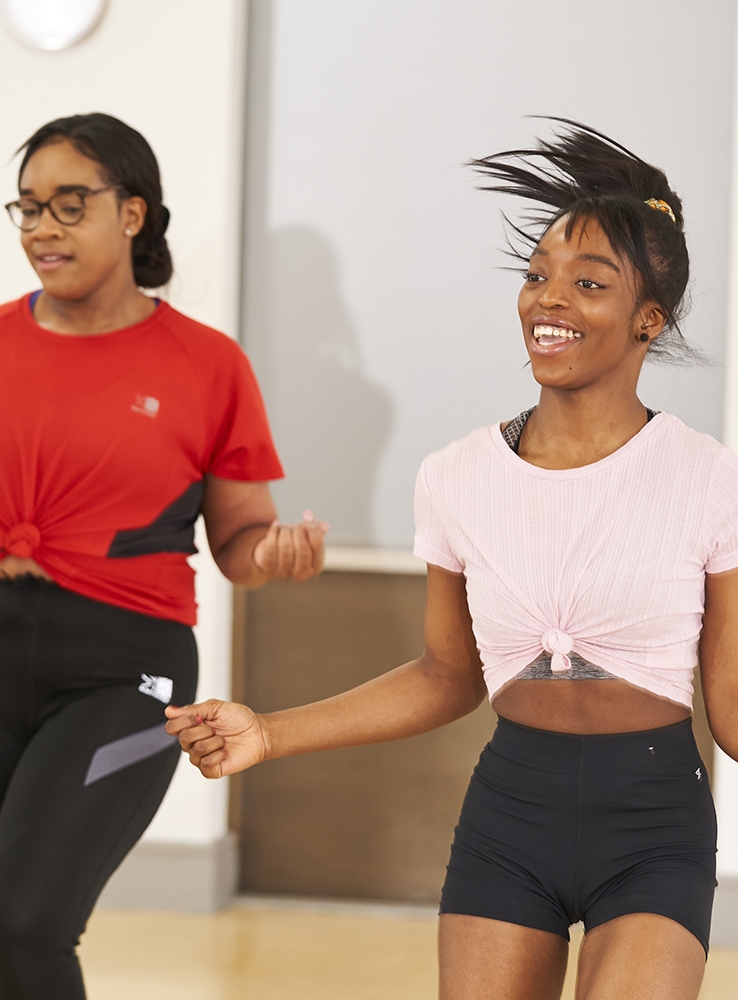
(331, 423)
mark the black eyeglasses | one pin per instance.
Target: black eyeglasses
(67, 207)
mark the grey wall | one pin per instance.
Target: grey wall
(374, 312)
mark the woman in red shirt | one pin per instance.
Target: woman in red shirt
(120, 421)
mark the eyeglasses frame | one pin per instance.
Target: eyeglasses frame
(83, 192)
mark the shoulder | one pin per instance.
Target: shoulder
(462, 450)
(12, 310)
(692, 463)
(688, 445)
(212, 358)
(460, 461)
(196, 337)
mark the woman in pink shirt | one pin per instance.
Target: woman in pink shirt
(578, 557)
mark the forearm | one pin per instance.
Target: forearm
(235, 559)
(445, 683)
(406, 701)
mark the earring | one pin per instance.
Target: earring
(644, 337)
(129, 232)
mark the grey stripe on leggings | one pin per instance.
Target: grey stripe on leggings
(112, 757)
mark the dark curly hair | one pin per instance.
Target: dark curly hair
(127, 161)
(582, 174)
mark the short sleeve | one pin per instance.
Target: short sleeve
(431, 538)
(242, 446)
(721, 516)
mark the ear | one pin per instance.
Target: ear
(650, 319)
(132, 216)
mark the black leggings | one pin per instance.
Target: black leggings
(84, 764)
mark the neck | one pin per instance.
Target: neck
(100, 311)
(574, 428)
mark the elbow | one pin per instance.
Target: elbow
(471, 702)
(724, 728)
(727, 739)
(225, 565)
(479, 699)
(462, 692)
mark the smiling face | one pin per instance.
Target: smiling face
(578, 307)
(75, 262)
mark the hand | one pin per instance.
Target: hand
(292, 550)
(221, 737)
(12, 566)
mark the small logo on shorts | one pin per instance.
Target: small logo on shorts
(698, 772)
(158, 687)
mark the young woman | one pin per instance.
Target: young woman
(577, 556)
(120, 420)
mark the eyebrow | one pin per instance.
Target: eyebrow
(62, 189)
(595, 258)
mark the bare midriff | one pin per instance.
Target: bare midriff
(586, 707)
(12, 566)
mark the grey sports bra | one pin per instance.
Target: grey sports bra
(514, 430)
(540, 668)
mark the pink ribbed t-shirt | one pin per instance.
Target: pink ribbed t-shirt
(606, 561)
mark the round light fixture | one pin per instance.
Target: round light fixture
(53, 25)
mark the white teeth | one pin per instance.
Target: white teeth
(558, 332)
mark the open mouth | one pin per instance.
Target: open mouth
(550, 335)
(51, 261)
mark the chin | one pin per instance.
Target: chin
(64, 291)
(552, 379)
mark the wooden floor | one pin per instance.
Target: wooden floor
(283, 951)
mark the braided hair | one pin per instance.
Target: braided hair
(128, 162)
(583, 175)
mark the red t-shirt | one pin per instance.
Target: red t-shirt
(104, 443)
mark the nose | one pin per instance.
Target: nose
(553, 294)
(47, 225)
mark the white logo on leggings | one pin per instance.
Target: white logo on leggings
(158, 687)
(698, 772)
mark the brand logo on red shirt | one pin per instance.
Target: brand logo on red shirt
(148, 405)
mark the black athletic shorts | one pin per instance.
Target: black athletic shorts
(556, 829)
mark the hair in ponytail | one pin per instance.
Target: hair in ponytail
(583, 175)
(127, 161)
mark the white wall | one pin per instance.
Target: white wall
(726, 770)
(174, 70)
(376, 316)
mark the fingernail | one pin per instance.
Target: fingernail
(275, 524)
(199, 718)
(307, 515)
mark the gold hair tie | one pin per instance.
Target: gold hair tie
(661, 206)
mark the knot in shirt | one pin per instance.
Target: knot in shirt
(558, 644)
(21, 540)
